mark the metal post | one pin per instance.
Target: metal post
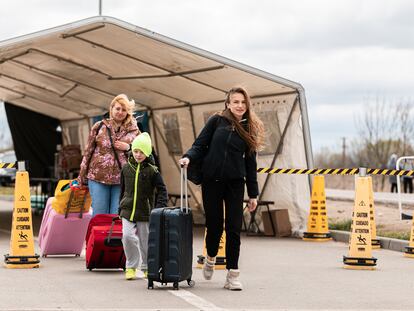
(21, 166)
(100, 7)
(397, 167)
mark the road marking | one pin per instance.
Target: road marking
(195, 300)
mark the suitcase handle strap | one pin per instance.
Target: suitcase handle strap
(184, 190)
(112, 228)
(72, 194)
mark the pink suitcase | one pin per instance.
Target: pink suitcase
(62, 236)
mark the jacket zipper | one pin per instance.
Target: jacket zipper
(225, 153)
(135, 192)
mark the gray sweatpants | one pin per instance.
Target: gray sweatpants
(135, 240)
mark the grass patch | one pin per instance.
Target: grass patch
(6, 190)
(394, 235)
(343, 225)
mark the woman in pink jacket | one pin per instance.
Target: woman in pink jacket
(105, 154)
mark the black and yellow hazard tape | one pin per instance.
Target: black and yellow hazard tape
(8, 165)
(333, 171)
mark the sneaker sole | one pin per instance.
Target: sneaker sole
(232, 288)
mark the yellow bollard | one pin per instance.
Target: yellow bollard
(317, 229)
(221, 255)
(375, 243)
(22, 254)
(360, 248)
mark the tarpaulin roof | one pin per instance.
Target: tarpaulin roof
(74, 70)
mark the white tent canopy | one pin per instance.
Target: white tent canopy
(72, 72)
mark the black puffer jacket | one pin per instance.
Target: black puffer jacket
(149, 190)
(225, 154)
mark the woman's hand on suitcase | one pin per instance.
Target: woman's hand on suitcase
(184, 162)
(252, 204)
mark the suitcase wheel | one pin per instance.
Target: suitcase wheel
(190, 283)
(175, 285)
(150, 284)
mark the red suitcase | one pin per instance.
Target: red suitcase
(100, 220)
(104, 249)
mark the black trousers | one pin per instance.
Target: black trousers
(408, 185)
(232, 194)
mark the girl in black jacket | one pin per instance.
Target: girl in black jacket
(227, 145)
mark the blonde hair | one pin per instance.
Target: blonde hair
(253, 134)
(128, 105)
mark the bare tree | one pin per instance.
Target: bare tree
(384, 128)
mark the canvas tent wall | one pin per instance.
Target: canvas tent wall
(73, 71)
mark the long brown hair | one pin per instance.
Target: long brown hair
(253, 133)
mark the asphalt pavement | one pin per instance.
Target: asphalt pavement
(277, 274)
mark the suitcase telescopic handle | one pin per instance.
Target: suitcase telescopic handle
(184, 190)
(108, 238)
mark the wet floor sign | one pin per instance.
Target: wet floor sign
(221, 254)
(409, 250)
(360, 248)
(375, 243)
(22, 253)
(317, 229)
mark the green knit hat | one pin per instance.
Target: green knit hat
(143, 143)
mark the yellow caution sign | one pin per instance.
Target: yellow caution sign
(317, 229)
(375, 243)
(409, 250)
(221, 255)
(22, 253)
(360, 247)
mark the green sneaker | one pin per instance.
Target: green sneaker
(130, 273)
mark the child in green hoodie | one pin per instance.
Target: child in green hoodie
(142, 189)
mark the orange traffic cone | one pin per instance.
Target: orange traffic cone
(360, 249)
(317, 229)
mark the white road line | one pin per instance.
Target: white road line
(194, 300)
(94, 309)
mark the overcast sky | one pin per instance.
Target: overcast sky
(342, 52)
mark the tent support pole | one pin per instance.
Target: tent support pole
(153, 127)
(174, 161)
(306, 133)
(145, 62)
(43, 101)
(192, 120)
(53, 92)
(279, 146)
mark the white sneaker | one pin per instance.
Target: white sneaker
(208, 268)
(232, 280)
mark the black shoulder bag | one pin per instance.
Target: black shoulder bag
(195, 168)
(113, 148)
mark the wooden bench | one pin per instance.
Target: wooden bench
(174, 197)
(252, 229)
